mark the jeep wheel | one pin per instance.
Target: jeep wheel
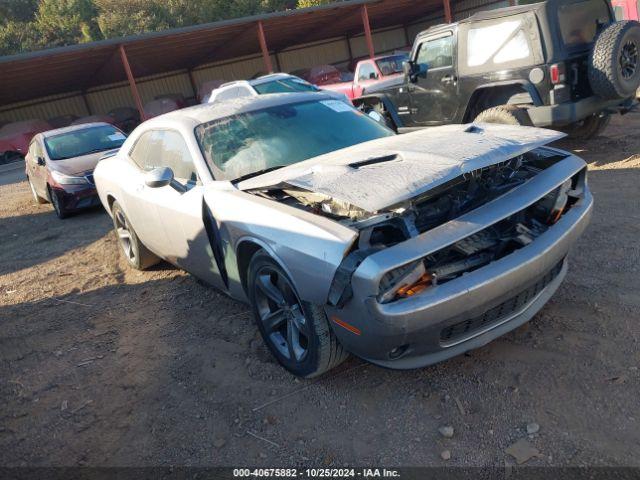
(507, 114)
(614, 68)
(297, 333)
(590, 127)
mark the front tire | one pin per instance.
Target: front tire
(296, 332)
(137, 255)
(505, 114)
(54, 198)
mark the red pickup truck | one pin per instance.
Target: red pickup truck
(370, 72)
(626, 9)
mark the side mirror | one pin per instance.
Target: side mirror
(159, 177)
(40, 161)
(412, 70)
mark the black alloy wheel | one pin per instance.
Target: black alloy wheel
(281, 314)
(629, 60)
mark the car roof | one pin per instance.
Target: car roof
(485, 15)
(208, 112)
(256, 81)
(73, 128)
(397, 54)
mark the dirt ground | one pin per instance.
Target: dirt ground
(102, 365)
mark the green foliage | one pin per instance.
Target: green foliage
(27, 25)
(12, 11)
(312, 3)
(65, 22)
(16, 37)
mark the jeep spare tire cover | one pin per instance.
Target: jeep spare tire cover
(614, 71)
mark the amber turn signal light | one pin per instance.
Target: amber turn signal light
(422, 284)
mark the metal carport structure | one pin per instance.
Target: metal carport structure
(82, 67)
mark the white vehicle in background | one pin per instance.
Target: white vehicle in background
(266, 84)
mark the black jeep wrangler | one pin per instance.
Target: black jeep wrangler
(563, 64)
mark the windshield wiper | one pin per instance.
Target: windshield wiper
(96, 150)
(257, 173)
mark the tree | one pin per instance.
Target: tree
(17, 11)
(313, 3)
(66, 22)
(117, 18)
(16, 37)
(31, 24)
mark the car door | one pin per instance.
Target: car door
(434, 94)
(139, 198)
(37, 173)
(179, 207)
(31, 162)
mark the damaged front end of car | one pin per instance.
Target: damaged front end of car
(380, 230)
(457, 221)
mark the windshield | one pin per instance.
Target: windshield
(83, 142)
(579, 21)
(285, 85)
(391, 65)
(253, 142)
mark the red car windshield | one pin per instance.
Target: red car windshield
(84, 142)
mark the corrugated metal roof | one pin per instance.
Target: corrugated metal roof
(80, 67)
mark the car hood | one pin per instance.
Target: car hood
(77, 165)
(384, 172)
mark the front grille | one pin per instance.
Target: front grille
(469, 327)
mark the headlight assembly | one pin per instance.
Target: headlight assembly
(63, 179)
(404, 282)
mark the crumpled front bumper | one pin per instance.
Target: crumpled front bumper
(472, 310)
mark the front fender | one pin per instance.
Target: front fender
(309, 247)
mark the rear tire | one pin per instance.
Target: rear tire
(505, 114)
(137, 255)
(614, 68)
(590, 127)
(297, 333)
(36, 197)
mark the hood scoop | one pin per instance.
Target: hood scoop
(374, 161)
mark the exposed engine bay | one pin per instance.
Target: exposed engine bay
(427, 211)
(438, 206)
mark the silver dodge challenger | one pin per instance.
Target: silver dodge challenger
(404, 250)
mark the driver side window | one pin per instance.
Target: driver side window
(165, 148)
(436, 53)
(367, 72)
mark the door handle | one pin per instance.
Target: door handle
(449, 79)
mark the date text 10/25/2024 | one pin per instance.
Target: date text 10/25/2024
(286, 473)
